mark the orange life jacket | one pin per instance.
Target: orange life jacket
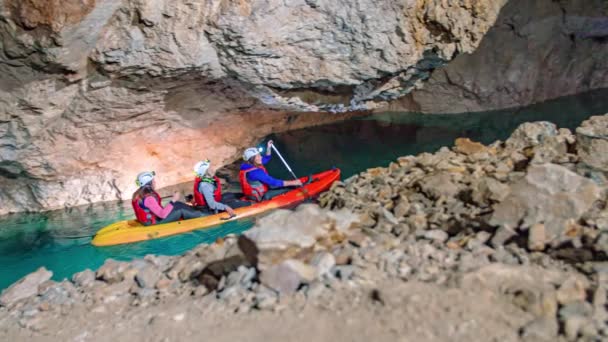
(143, 214)
(199, 199)
(252, 192)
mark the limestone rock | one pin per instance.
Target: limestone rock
(530, 134)
(148, 276)
(521, 74)
(25, 287)
(286, 235)
(466, 146)
(112, 271)
(83, 79)
(549, 194)
(85, 278)
(592, 142)
(287, 276)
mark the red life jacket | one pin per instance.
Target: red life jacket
(143, 214)
(252, 192)
(199, 199)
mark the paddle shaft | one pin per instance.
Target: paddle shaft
(284, 162)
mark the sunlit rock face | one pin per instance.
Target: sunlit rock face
(538, 50)
(93, 91)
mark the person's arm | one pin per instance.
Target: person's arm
(261, 176)
(266, 159)
(207, 190)
(156, 209)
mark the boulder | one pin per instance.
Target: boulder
(25, 287)
(531, 134)
(592, 142)
(468, 147)
(549, 194)
(85, 278)
(286, 234)
(112, 271)
(287, 276)
(439, 185)
(148, 276)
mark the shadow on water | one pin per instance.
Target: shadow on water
(60, 240)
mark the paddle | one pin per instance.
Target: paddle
(289, 168)
(283, 160)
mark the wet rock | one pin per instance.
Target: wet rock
(592, 142)
(549, 194)
(25, 287)
(543, 329)
(287, 276)
(85, 278)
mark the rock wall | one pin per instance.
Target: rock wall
(94, 91)
(538, 50)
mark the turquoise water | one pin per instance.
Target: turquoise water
(60, 240)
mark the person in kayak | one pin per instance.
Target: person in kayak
(208, 189)
(256, 183)
(147, 204)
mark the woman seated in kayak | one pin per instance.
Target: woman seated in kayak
(148, 207)
(208, 189)
(256, 184)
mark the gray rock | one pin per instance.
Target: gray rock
(148, 276)
(285, 234)
(323, 262)
(112, 271)
(576, 309)
(541, 329)
(592, 142)
(437, 235)
(549, 194)
(502, 235)
(344, 272)
(25, 287)
(85, 278)
(56, 295)
(531, 134)
(287, 276)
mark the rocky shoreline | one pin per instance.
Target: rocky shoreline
(506, 241)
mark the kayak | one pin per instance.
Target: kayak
(130, 231)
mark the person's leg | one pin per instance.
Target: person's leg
(181, 210)
(270, 194)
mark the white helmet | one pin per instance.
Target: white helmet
(145, 178)
(201, 167)
(250, 152)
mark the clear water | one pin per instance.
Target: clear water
(60, 240)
